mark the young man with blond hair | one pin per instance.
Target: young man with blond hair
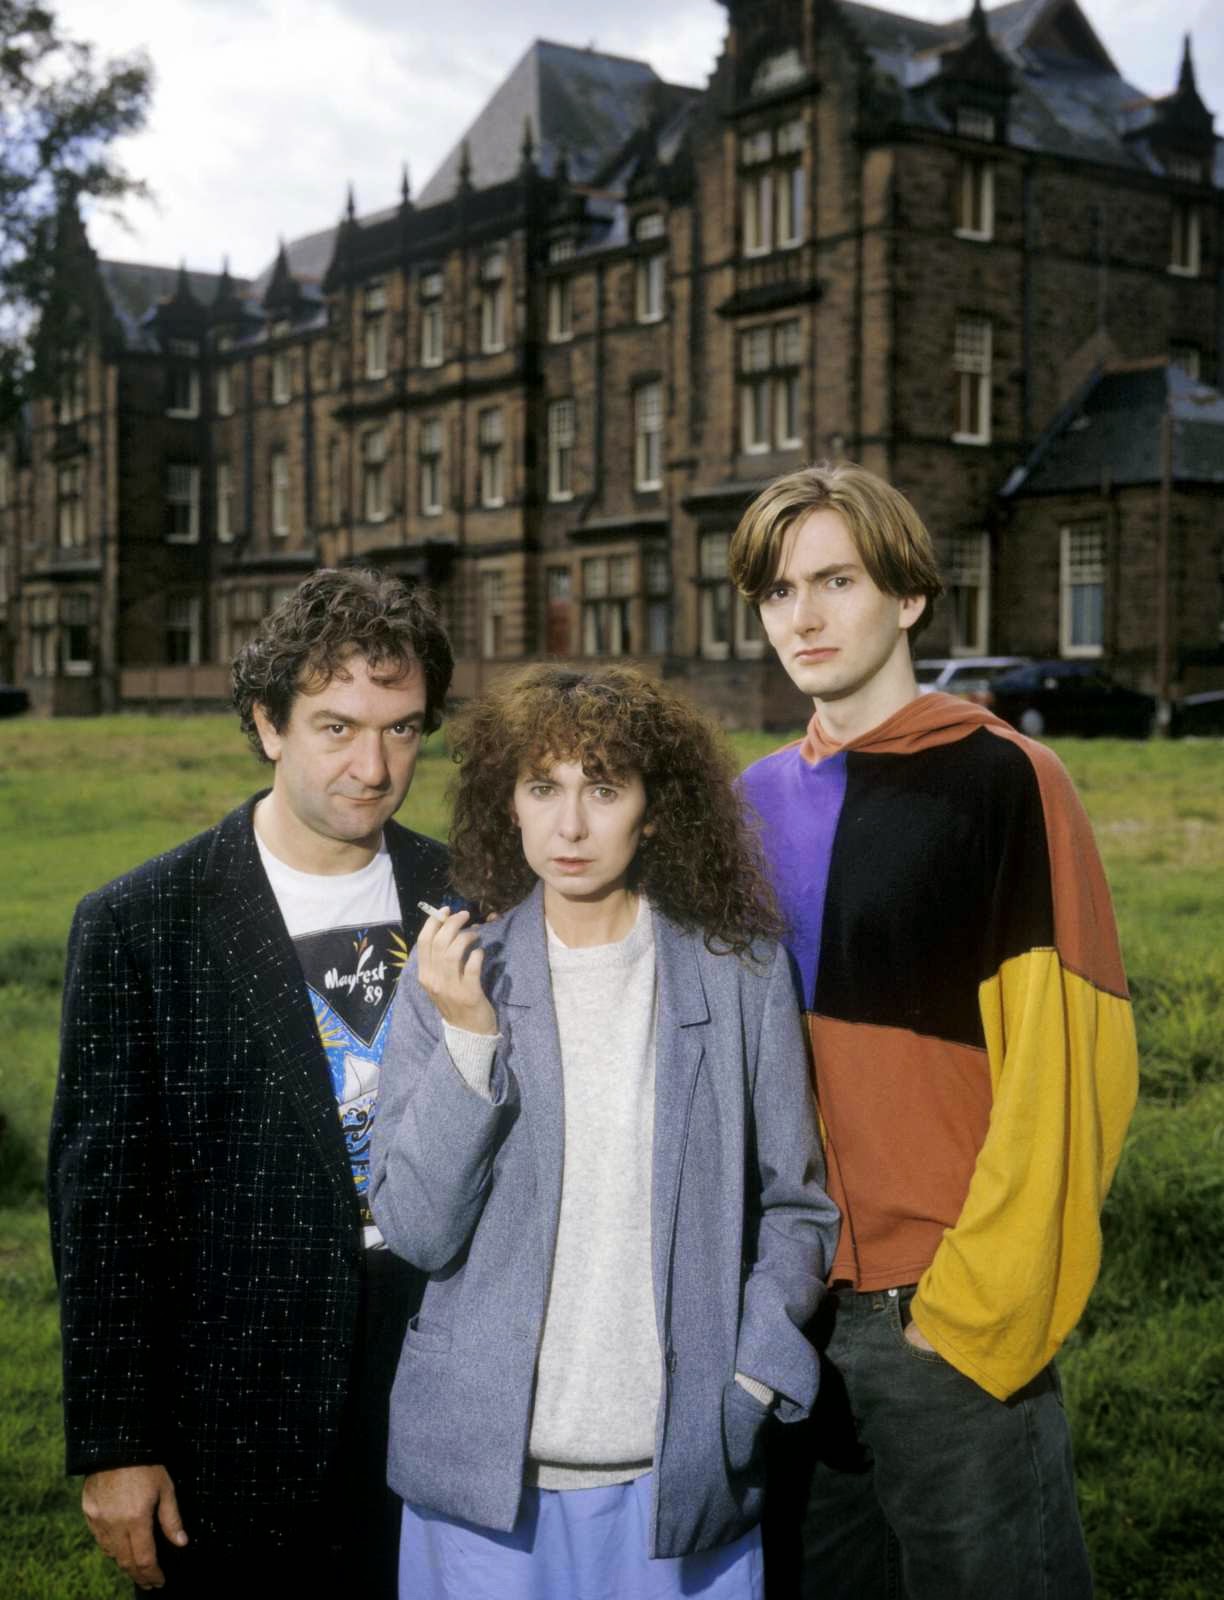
(956, 960)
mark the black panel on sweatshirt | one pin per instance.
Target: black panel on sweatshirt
(940, 873)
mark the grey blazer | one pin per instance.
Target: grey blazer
(743, 1233)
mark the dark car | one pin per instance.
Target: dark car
(1052, 697)
(1201, 714)
(13, 701)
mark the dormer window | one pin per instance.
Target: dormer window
(561, 249)
(1186, 169)
(777, 72)
(974, 123)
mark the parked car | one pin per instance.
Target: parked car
(13, 701)
(967, 675)
(1199, 714)
(1070, 697)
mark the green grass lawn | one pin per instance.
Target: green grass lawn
(82, 801)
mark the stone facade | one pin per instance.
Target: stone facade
(549, 395)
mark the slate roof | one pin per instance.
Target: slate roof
(1069, 98)
(134, 289)
(580, 101)
(310, 255)
(1110, 432)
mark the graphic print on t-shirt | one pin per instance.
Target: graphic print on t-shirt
(352, 974)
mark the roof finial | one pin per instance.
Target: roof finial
(465, 165)
(528, 146)
(405, 187)
(350, 209)
(1185, 79)
(977, 20)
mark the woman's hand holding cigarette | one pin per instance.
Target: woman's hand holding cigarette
(449, 964)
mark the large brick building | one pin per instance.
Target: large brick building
(548, 385)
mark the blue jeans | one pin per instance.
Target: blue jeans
(910, 1482)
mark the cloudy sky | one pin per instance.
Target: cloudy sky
(264, 109)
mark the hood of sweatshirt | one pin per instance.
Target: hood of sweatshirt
(920, 724)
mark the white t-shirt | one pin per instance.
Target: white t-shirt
(350, 941)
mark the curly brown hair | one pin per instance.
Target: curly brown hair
(330, 617)
(701, 866)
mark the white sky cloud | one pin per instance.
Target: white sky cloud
(265, 109)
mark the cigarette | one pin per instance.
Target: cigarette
(433, 911)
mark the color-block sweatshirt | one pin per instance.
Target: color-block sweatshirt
(973, 1046)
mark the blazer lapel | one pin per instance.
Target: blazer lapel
(522, 990)
(250, 941)
(680, 1041)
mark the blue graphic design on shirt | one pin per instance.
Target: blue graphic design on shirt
(352, 975)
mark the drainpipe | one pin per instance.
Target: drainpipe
(1163, 709)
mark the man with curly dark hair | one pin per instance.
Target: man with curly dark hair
(231, 1318)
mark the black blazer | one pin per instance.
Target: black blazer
(204, 1223)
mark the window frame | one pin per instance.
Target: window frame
(375, 330)
(192, 627)
(429, 461)
(562, 432)
(974, 375)
(375, 486)
(975, 209)
(492, 618)
(1186, 243)
(649, 431)
(650, 287)
(71, 531)
(1072, 576)
(491, 457)
(189, 496)
(279, 494)
(970, 576)
(561, 308)
(223, 510)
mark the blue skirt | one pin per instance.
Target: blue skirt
(571, 1544)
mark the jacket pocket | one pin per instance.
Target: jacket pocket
(744, 1421)
(427, 1333)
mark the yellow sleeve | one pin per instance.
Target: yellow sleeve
(1011, 1279)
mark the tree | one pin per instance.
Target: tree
(60, 113)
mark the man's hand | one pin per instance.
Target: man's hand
(119, 1507)
(917, 1338)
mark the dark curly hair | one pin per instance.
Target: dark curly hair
(331, 616)
(701, 866)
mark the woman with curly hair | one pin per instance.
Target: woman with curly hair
(596, 1136)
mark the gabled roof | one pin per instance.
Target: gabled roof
(582, 102)
(1111, 433)
(135, 289)
(1069, 98)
